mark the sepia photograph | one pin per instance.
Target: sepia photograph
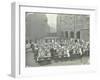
(56, 39)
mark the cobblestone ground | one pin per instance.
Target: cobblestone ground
(30, 62)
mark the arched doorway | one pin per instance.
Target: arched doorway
(78, 34)
(66, 34)
(71, 34)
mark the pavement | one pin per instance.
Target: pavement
(30, 62)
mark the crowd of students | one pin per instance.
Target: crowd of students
(58, 49)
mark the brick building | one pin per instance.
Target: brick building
(73, 26)
(36, 26)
